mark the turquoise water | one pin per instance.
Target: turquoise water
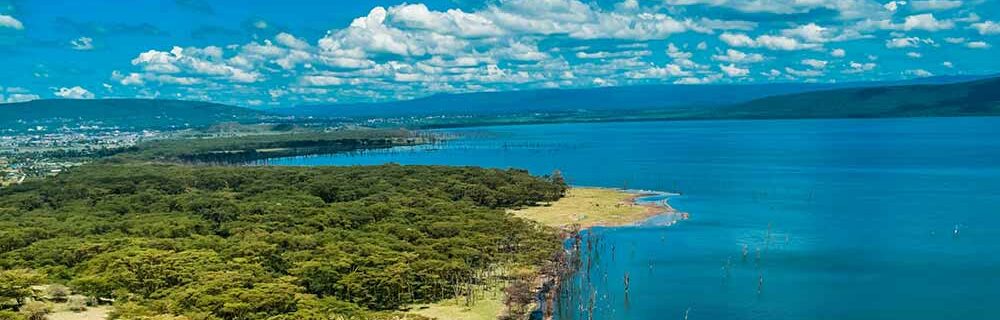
(855, 219)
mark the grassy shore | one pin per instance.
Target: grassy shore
(589, 207)
(488, 306)
(586, 207)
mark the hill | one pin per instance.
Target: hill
(123, 113)
(975, 98)
(556, 100)
(590, 100)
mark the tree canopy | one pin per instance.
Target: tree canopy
(268, 242)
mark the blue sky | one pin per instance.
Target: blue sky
(285, 53)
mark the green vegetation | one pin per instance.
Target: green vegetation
(268, 243)
(124, 113)
(242, 149)
(977, 98)
(587, 207)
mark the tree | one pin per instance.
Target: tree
(16, 284)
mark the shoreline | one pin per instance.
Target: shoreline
(548, 282)
(589, 207)
(582, 208)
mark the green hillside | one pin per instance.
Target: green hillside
(124, 113)
(977, 98)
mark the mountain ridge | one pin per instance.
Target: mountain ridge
(125, 113)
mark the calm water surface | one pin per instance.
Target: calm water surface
(854, 219)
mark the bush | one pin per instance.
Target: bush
(77, 304)
(57, 292)
(35, 310)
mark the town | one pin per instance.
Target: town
(41, 151)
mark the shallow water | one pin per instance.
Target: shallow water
(862, 214)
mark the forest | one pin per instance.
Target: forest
(161, 240)
(249, 148)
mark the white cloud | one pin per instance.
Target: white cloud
(978, 45)
(777, 43)
(10, 22)
(948, 64)
(321, 81)
(921, 73)
(915, 55)
(858, 67)
(654, 72)
(16, 94)
(932, 5)
(411, 50)
(926, 22)
(910, 42)
(82, 44)
(774, 73)
(739, 57)
(291, 41)
(737, 40)
(783, 43)
(954, 40)
(893, 6)
(618, 54)
(804, 73)
(76, 92)
(847, 9)
(260, 24)
(733, 71)
(987, 27)
(816, 64)
(207, 62)
(19, 97)
(813, 33)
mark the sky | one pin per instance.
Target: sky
(269, 54)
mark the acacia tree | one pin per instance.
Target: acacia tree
(16, 284)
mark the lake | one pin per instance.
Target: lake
(853, 219)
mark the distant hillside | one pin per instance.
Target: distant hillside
(125, 113)
(557, 100)
(976, 98)
(659, 97)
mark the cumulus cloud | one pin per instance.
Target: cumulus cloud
(654, 72)
(860, 67)
(619, 54)
(10, 22)
(978, 45)
(409, 50)
(208, 62)
(847, 9)
(926, 22)
(920, 73)
(777, 43)
(736, 56)
(82, 44)
(733, 71)
(803, 73)
(76, 92)
(816, 64)
(934, 5)
(16, 94)
(987, 28)
(909, 42)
